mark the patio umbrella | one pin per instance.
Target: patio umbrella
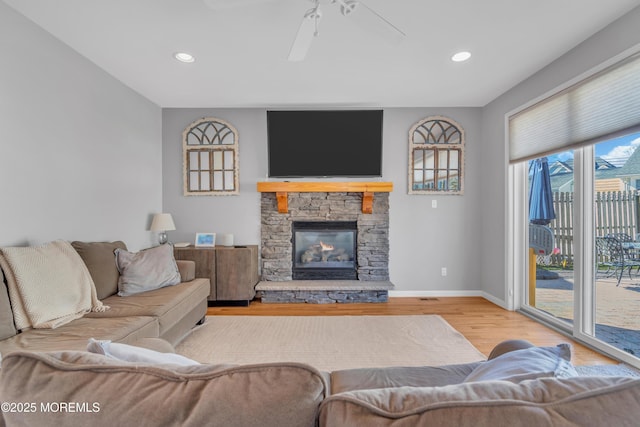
(540, 194)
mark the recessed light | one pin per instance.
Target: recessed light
(461, 56)
(184, 57)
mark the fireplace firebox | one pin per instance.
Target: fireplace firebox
(324, 250)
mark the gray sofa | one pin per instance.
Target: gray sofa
(167, 313)
(291, 394)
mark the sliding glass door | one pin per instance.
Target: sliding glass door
(581, 245)
(587, 282)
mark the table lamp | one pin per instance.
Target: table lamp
(162, 223)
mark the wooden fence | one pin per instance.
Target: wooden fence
(615, 212)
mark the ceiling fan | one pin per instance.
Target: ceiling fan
(355, 10)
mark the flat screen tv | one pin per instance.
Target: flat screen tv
(325, 143)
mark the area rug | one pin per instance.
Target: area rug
(329, 342)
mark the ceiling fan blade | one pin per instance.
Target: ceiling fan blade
(370, 20)
(306, 32)
(228, 4)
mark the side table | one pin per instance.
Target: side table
(231, 270)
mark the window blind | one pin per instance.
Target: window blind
(599, 107)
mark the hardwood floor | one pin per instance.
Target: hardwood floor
(480, 321)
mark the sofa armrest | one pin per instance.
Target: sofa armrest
(187, 270)
(508, 346)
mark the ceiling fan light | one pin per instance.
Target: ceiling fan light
(371, 21)
(347, 6)
(184, 57)
(461, 56)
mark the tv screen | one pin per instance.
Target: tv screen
(325, 143)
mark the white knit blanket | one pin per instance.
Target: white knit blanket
(49, 285)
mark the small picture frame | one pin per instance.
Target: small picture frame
(206, 240)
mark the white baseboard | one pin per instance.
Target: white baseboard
(496, 301)
(434, 294)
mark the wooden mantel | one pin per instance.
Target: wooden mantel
(366, 188)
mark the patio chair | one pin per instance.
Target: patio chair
(607, 257)
(541, 239)
(613, 256)
(623, 237)
(631, 254)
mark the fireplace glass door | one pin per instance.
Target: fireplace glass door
(324, 250)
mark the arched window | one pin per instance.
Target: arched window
(436, 156)
(210, 147)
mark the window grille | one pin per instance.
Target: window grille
(436, 157)
(210, 147)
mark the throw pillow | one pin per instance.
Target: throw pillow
(49, 285)
(100, 260)
(130, 353)
(149, 269)
(526, 364)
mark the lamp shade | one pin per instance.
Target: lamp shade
(162, 222)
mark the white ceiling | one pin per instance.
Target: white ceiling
(241, 51)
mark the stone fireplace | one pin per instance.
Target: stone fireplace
(333, 241)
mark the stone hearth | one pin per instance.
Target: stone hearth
(323, 291)
(372, 251)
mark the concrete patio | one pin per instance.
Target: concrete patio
(617, 307)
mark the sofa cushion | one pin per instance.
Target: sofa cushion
(414, 376)
(100, 259)
(169, 304)
(132, 353)
(187, 269)
(74, 335)
(578, 401)
(146, 270)
(7, 327)
(278, 395)
(528, 363)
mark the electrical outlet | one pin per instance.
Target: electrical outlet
(443, 271)
(434, 204)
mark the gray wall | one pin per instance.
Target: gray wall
(422, 239)
(80, 153)
(612, 40)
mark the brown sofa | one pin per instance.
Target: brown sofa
(293, 394)
(168, 313)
